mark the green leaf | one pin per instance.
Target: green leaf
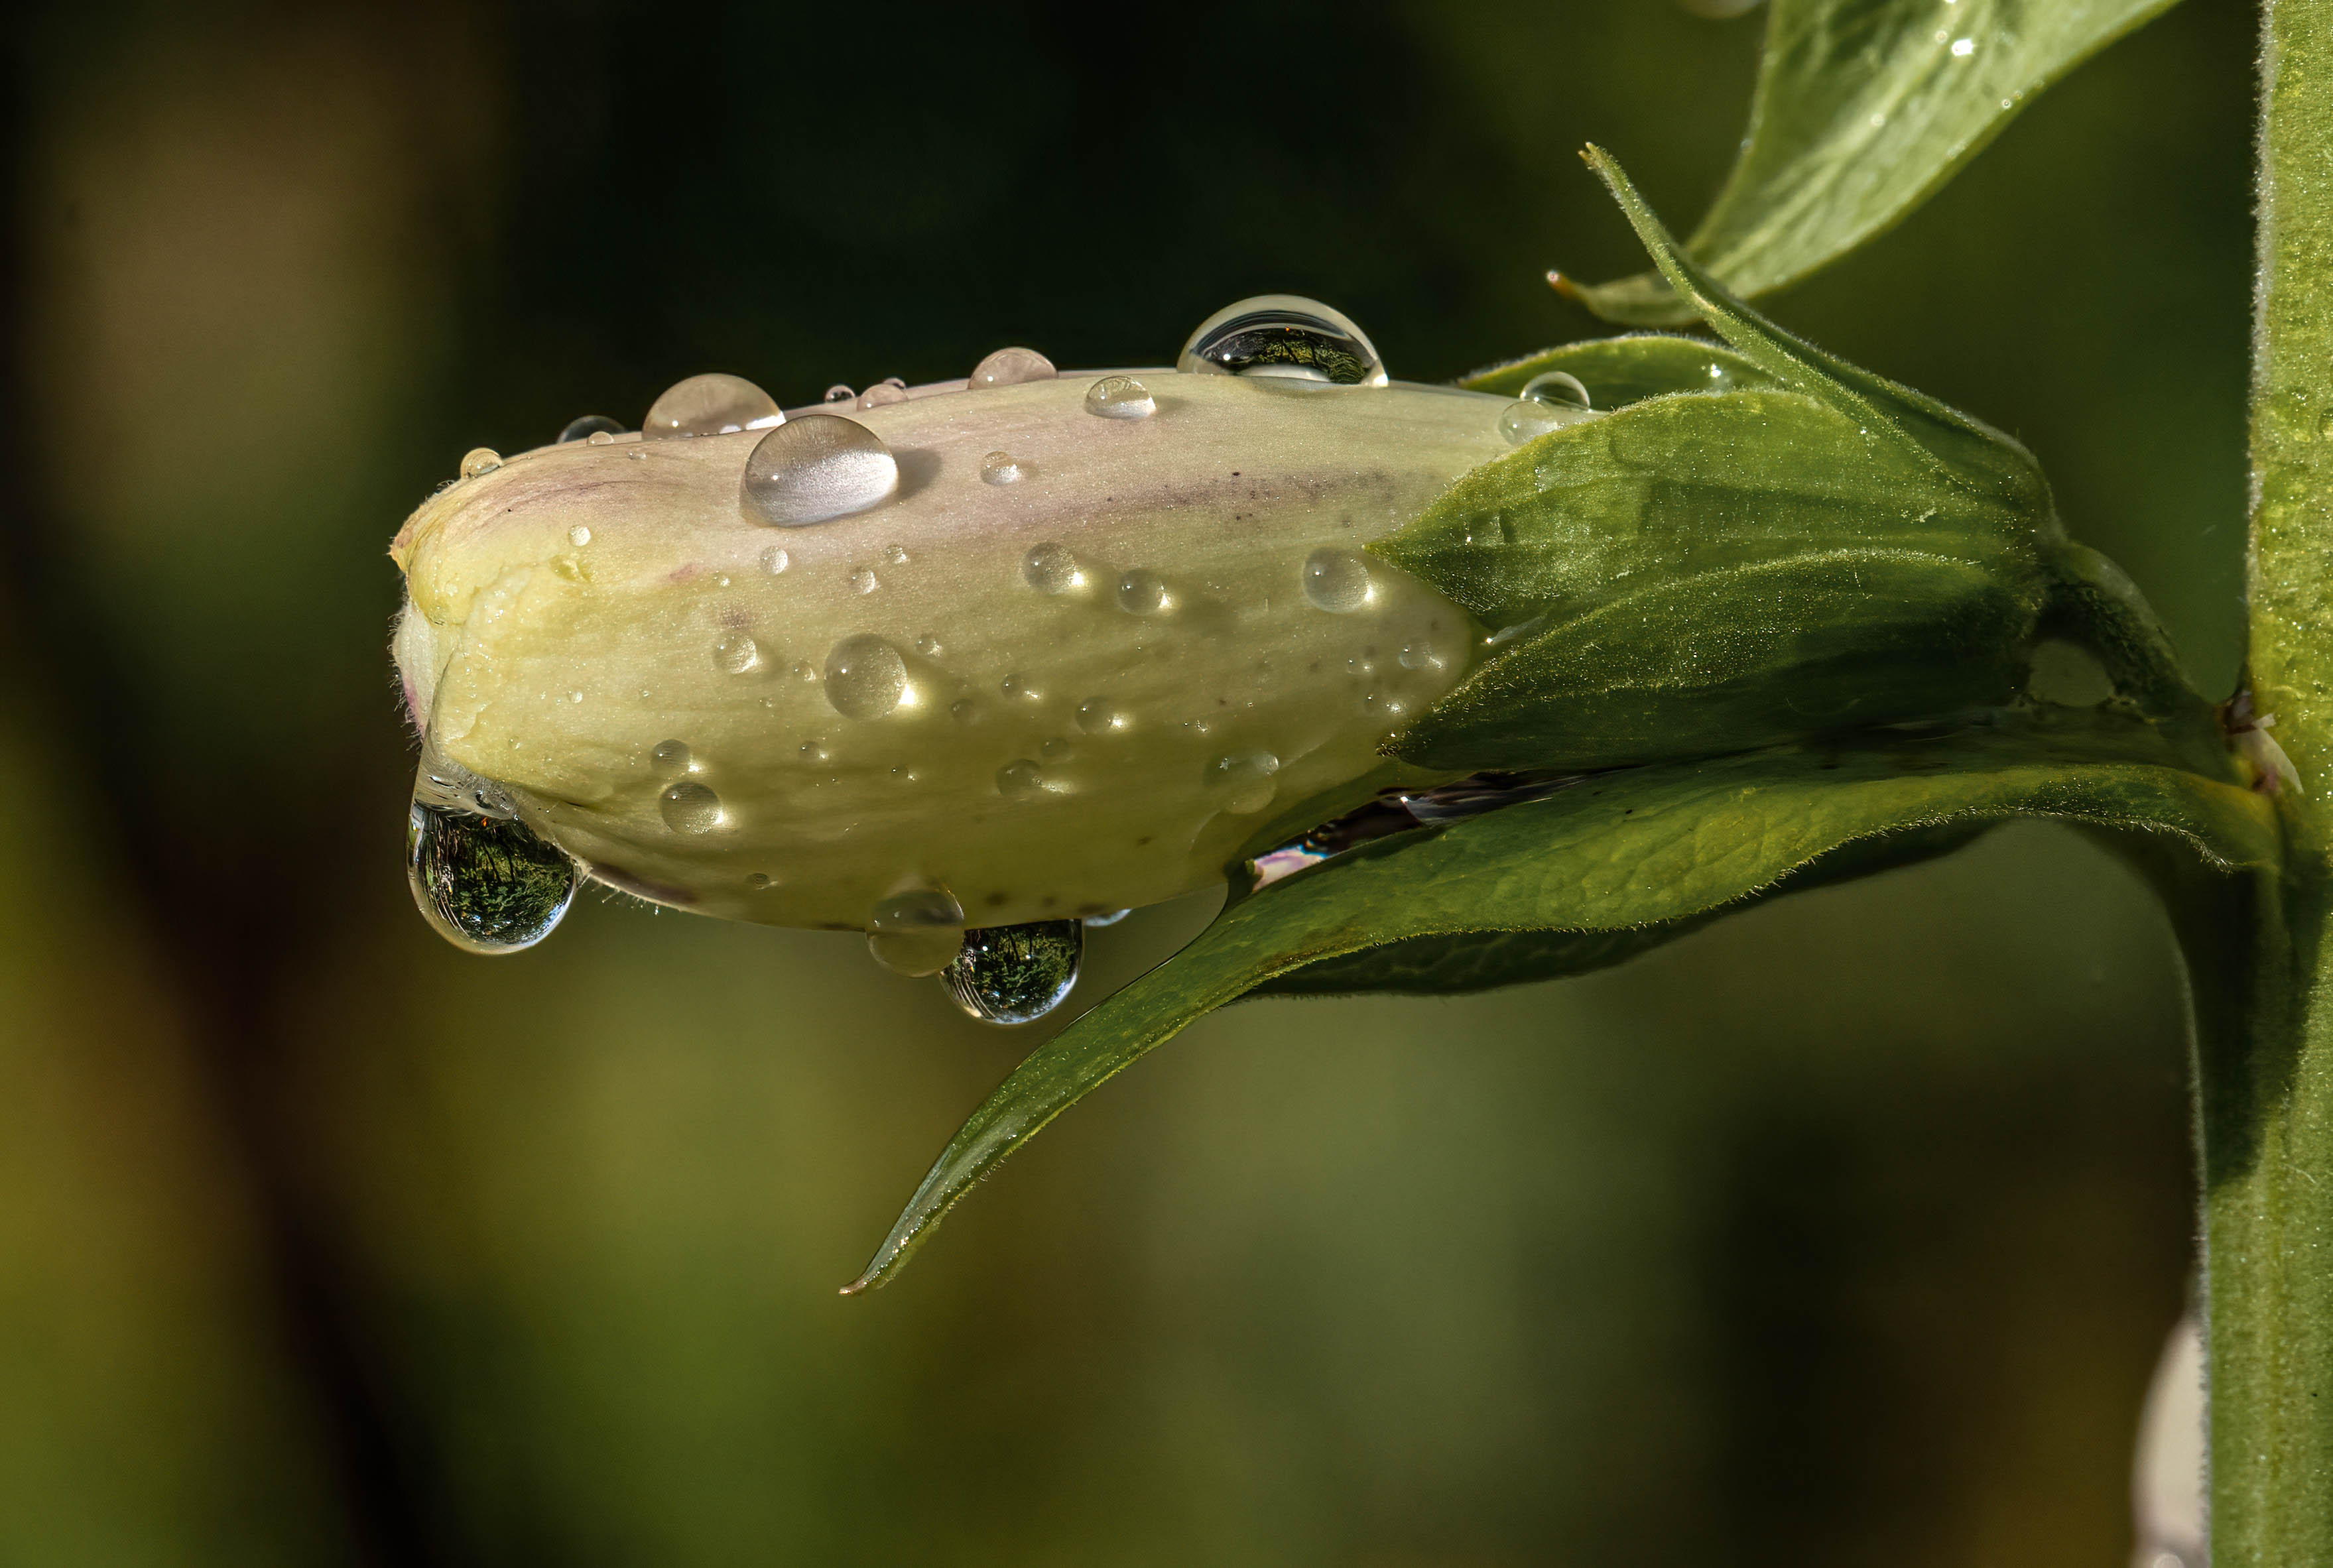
(1863, 109)
(1619, 371)
(1620, 853)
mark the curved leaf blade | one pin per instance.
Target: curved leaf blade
(1863, 109)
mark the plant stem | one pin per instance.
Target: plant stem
(2265, 989)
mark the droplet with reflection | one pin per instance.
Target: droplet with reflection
(817, 467)
(709, 405)
(1015, 974)
(1284, 335)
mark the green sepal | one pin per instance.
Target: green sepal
(1619, 371)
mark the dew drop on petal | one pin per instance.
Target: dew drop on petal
(928, 645)
(775, 560)
(1284, 335)
(917, 932)
(1100, 716)
(865, 677)
(863, 580)
(817, 467)
(840, 393)
(579, 536)
(1008, 368)
(480, 460)
(1418, 656)
(1120, 397)
(1242, 783)
(1336, 581)
(1141, 593)
(1563, 390)
(736, 653)
(1017, 974)
(887, 391)
(670, 756)
(1050, 569)
(1021, 688)
(1022, 780)
(588, 426)
(1001, 468)
(709, 405)
(689, 806)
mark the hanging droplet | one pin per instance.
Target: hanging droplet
(775, 560)
(916, 933)
(1100, 716)
(709, 405)
(887, 391)
(690, 808)
(817, 467)
(1120, 397)
(487, 885)
(480, 460)
(865, 677)
(1142, 593)
(1009, 368)
(670, 756)
(1242, 782)
(1050, 569)
(839, 393)
(1017, 974)
(1336, 581)
(1001, 468)
(736, 653)
(1284, 335)
(590, 425)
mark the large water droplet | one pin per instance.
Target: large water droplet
(736, 653)
(1549, 402)
(816, 467)
(865, 677)
(1010, 367)
(480, 460)
(670, 756)
(1120, 397)
(1563, 390)
(917, 932)
(590, 425)
(1049, 568)
(1142, 593)
(1336, 581)
(1242, 782)
(1017, 974)
(487, 885)
(1002, 468)
(690, 808)
(1100, 716)
(1284, 335)
(709, 405)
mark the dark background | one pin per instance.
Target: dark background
(1846, 1232)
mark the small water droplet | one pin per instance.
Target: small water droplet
(865, 677)
(575, 696)
(1017, 974)
(1419, 655)
(590, 425)
(602, 437)
(757, 880)
(1050, 569)
(579, 536)
(775, 560)
(817, 467)
(1021, 688)
(1336, 581)
(839, 393)
(689, 806)
(736, 653)
(917, 932)
(1284, 335)
(928, 645)
(1963, 47)
(896, 554)
(1057, 750)
(1002, 468)
(709, 405)
(1242, 782)
(1100, 716)
(803, 669)
(863, 580)
(884, 393)
(813, 750)
(1010, 367)
(670, 756)
(488, 885)
(1142, 593)
(480, 460)
(1022, 780)
(964, 711)
(1120, 397)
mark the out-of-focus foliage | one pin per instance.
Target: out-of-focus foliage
(1846, 1232)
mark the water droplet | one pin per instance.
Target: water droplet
(1336, 581)
(603, 437)
(811, 751)
(817, 467)
(916, 933)
(1120, 397)
(896, 554)
(1010, 367)
(579, 536)
(480, 460)
(690, 808)
(1021, 688)
(709, 405)
(1022, 780)
(1419, 655)
(488, 885)
(887, 391)
(574, 696)
(1242, 783)
(863, 580)
(775, 560)
(1017, 974)
(736, 653)
(1142, 593)
(865, 677)
(1050, 569)
(928, 645)
(670, 756)
(1563, 389)
(1284, 335)
(802, 670)
(722, 580)
(839, 393)
(757, 880)
(963, 710)
(1109, 917)
(1100, 716)
(590, 425)
(1057, 750)
(1963, 47)
(1528, 419)
(1002, 468)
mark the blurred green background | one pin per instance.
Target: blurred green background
(1845, 1232)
